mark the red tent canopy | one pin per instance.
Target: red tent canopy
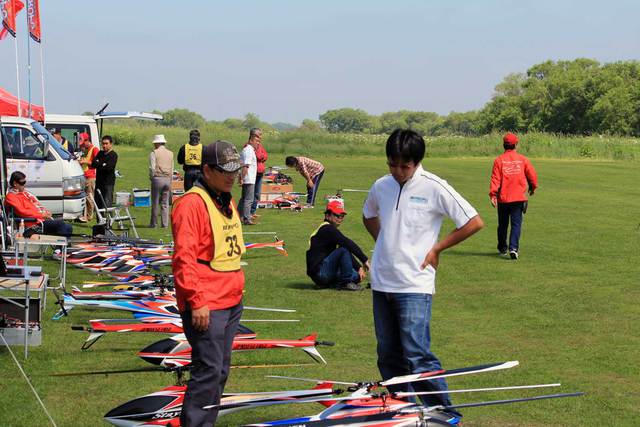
(9, 107)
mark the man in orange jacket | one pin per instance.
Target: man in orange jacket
(208, 244)
(513, 176)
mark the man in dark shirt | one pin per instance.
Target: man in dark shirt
(190, 157)
(330, 258)
(105, 164)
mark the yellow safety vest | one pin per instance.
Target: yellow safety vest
(193, 155)
(228, 243)
(316, 232)
(65, 145)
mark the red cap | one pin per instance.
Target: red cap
(510, 139)
(84, 136)
(336, 207)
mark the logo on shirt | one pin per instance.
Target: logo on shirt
(418, 200)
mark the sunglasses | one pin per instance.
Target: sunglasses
(219, 169)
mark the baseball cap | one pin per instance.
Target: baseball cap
(84, 136)
(222, 154)
(335, 207)
(510, 139)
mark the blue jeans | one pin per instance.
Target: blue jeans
(312, 191)
(402, 331)
(336, 269)
(257, 192)
(509, 211)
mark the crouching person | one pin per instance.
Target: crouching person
(26, 205)
(330, 258)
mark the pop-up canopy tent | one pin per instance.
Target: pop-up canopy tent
(9, 107)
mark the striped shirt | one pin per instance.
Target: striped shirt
(308, 168)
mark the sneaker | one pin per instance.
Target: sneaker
(504, 252)
(248, 223)
(513, 255)
(350, 287)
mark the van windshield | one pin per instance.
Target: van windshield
(40, 130)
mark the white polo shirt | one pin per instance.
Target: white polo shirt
(410, 219)
(248, 158)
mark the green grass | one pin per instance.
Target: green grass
(567, 310)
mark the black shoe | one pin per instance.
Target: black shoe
(513, 255)
(350, 287)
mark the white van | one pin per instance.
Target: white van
(53, 174)
(73, 125)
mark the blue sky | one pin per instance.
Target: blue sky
(287, 60)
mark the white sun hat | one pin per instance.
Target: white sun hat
(159, 139)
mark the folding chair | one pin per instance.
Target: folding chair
(114, 214)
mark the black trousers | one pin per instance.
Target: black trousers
(107, 195)
(210, 364)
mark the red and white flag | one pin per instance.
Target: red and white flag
(10, 9)
(33, 19)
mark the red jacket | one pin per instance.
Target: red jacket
(197, 284)
(512, 175)
(26, 205)
(261, 157)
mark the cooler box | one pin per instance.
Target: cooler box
(141, 197)
(123, 198)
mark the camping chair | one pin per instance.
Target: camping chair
(114, 214)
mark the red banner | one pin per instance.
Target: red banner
(33, 19)
(10, 9)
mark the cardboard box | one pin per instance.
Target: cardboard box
(177, 185)
(277, 188)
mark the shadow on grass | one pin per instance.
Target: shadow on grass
(307, 286)
(477, 254)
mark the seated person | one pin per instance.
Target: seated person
(330, 258)
(26, 205)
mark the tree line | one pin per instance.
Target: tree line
(578, 97)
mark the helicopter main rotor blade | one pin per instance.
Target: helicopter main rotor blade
(402, 394)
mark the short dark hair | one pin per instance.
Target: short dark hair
(291, 161)
(16, 176)
(108, 138)
(405, 145)
(509, 146)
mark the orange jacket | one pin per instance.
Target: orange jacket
(512, 175)
(196, 283)
(26, 205)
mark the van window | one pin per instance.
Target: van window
(43, 133)
(70, 132)
(21, 143)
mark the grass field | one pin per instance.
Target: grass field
(567, 310)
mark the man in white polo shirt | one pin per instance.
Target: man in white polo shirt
(403, 213)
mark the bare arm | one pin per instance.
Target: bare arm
(474, 225)
(372, 225)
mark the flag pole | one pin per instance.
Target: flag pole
(15, 43)
(28, 59)
(44, 109)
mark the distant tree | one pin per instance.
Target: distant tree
(309, 125)
(346, 120)
(234, 123)
(283, 127)
(183, 118)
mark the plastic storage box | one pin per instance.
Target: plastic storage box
(141, 197)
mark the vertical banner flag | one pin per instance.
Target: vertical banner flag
(33, 19)
(10, 9)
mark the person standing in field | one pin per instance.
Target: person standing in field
(403, 213)
(512, 177)
(160, 172)
(190, 157)
(88, 154)
(247, 180)
(209, 281)
(105, 165)
(255, 134)
(310, 170)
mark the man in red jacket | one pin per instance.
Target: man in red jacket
(26, 205)
(513, 176)
(208, 244)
